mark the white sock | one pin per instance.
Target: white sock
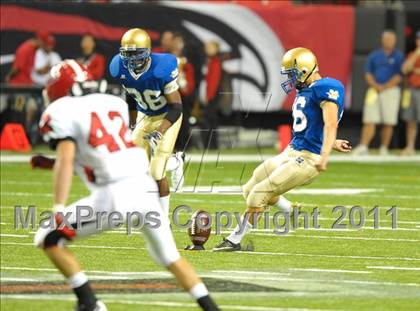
(236, 237)
(284, 204)
(77, 279)
(164, 202)
(199, 290)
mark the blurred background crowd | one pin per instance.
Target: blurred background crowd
(383, 77)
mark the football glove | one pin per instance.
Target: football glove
(153, 138)
(40, 161)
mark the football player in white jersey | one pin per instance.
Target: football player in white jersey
(89, 131)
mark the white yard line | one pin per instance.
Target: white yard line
(14, 235)
(329, 270)
(81, 246)
(247, 272)
(393, 268)
(243, 252)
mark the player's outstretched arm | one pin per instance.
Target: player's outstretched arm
(330, 116)
(63, 171)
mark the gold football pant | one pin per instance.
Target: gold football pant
(278, 175)
(146, 125)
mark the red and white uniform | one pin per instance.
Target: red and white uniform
(98, 125)
(113, 168)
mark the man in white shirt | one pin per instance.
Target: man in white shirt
(45, 58)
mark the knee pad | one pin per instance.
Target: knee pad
(46, 237)
(54, 238)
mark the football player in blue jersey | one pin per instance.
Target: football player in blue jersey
(317, 110)
(150, 79)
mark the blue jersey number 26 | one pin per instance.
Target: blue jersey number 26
(299, 119)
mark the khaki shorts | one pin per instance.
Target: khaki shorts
(382, 108)
(278, 175)
(146, 125)
(411, 112)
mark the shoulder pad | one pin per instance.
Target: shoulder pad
(114, 66)
(330, 90)
(166, 67)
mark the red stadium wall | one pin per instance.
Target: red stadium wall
(253, 36)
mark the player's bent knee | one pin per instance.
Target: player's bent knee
(46, 237)
(260, 196)
(246, 189)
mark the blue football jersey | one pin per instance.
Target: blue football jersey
(150, 88)
(308, 123)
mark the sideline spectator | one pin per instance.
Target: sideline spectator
(94, 62)
(411, 114)
(45, 58)
(166, 42)
(20, 74)
(186, 82)
(209, 91)
(383, 75)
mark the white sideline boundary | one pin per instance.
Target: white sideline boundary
(381, 258)
(248, 158)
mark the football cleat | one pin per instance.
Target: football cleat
(227, 246)
(100, 306)
(177, 170)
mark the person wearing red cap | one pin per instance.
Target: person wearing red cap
(20, 74)
(45, 58)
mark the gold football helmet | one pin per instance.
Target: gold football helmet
(135, 51)
(298, 64)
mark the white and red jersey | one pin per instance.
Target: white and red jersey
(98, 124)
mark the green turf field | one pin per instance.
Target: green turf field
(322, 269)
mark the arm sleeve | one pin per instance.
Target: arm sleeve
(20, 59)
(39, 62)
(97, 67)
(190, 77)
(114, 66)
(170, 83)
(333, 92)
(55, 127)
(369, 66)
(131, 102)
(214, 75)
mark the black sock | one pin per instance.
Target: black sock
(207, 304)
(85, 296)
